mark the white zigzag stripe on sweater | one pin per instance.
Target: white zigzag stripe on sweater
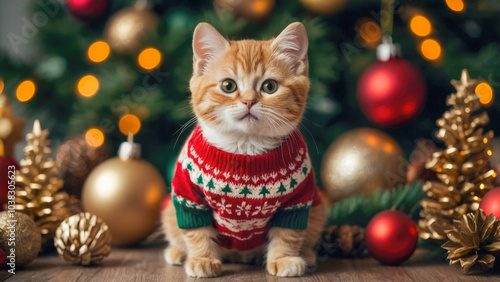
(242, 238)
(238, 225)
(272, 186)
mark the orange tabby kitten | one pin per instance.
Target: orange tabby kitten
(248, 97)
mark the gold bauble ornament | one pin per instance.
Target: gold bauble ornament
(27, 237)
(254, 10)
(324, 7)
(126, 192)
(83, 239)
(360, 161)
(127, 29)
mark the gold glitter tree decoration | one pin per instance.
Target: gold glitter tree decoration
(38, 190)
(463, 171)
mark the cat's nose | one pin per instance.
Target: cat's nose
(249, 103)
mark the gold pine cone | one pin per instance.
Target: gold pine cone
(83, 239)
(473, 240)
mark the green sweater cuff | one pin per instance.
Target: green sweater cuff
(188, 218)
(291, 219)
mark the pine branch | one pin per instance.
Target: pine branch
(359, 209)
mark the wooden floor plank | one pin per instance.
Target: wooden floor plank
(146, 264)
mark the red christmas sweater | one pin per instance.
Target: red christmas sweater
(241, 195)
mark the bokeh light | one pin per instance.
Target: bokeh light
(129, 124)
(2, 85)
(485, 93)
(420, 25)
(370, 31)
(98, 51)
(94, 137)
(456, 5)
(431, 49)
(262, 6)
(88, 86)
(25, 90)
(149, 58)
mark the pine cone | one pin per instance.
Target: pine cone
(463, 170)
(38, 190)
(75, 159)
(473, 240)
(83, 239)
(343, 241)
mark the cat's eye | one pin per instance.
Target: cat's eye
(228, 86)
(270, 86)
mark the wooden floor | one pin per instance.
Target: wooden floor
(146, 264)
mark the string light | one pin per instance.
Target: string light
(25, 90)
(485, 93)
(420, 25)
(369, 32)
(94, 137)
(129, 124)
(149, 58)
(431, 49)
(88, 86)
(455, 5)
(98, 51)
(2, 86)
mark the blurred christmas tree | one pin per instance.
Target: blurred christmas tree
(116, 64)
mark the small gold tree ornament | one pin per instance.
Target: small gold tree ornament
(38, 190)
(463, 170)
(83, 239)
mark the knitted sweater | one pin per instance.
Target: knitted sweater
(243, 195)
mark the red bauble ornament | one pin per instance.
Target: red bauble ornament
(391, 92)
(491, 203)
(3, 258)
(6, 165)
(87, 10)
(391, 237)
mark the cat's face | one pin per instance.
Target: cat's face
(251, 87)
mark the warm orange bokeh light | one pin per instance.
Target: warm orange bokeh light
(98, 51)
(149, 58)
(455, 5)
(485, 93)
(129, 124)
(94, 137)
(370, 31)
(2, 85)
(431, 49)
(88, 86)
(262, 6)
(420, 25)
(25, 91)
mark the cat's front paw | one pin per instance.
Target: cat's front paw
(203, 267)
(287, 266)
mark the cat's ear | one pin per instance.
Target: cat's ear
(208, 43)
(292, 44)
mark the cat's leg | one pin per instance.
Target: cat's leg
(203, 252)
(315, 225)
(283, 255)
(176, 250)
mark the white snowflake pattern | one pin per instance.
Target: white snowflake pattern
(226, 174)
(291, 166)
(255, 179)
(265, 176)
(298, 158)
(224, 207)
(244, 207)
(266, 208)
(283, 171)
(245, 177)
(216, 171)
(274, 174)
(236, 177)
